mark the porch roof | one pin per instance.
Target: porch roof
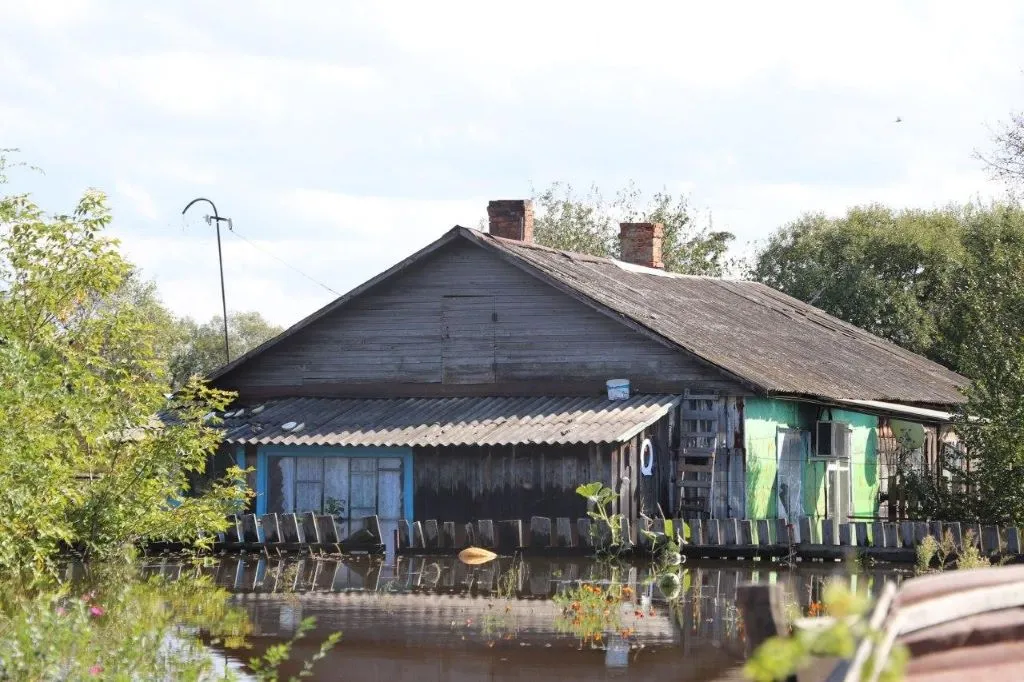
(426, 422)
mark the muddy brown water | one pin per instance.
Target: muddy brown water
(434, 618)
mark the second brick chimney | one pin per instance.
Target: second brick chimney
(640, 244)
(511, 219)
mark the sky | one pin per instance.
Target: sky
(341, 136)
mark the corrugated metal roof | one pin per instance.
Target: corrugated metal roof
(445, 421)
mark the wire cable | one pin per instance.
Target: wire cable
(235, 232)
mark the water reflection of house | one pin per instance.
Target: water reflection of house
(469, 381)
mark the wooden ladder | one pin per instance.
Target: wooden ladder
(695, 469)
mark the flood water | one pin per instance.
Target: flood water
(435, 618)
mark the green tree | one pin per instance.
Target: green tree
(86, 463)
(1006, 159)
(880, 269)
(987, 301)
(199, 348)
(590, 224)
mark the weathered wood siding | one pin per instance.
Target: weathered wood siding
(508, 482)
(465, 317)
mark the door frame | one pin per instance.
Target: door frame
(264, 452)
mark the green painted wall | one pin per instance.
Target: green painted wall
(863, 460)
(763, 417)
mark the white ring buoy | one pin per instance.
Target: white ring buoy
(647, 463)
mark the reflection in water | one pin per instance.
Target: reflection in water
(435, 618)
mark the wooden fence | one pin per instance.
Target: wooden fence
(711, 539)
(809, 539)
(295, 532)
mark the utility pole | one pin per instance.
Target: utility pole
(215, 219)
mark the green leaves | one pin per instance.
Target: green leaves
(588, 223)
(87, 464)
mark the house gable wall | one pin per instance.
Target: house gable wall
(465, 322)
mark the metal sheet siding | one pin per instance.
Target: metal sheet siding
(425, 422)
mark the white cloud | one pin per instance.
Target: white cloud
(342, 137)
(139, 199)
(220, 85)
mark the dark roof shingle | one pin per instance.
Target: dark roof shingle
(750, 330)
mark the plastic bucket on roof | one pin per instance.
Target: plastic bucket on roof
(618, 389)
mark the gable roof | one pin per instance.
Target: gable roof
(769, 340)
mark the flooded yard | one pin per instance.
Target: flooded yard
(435, 618)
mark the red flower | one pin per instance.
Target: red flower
(96, 670)
(96, 611)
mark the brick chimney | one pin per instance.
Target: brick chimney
(640, 244)
(511, 219)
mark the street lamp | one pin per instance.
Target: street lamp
(215, 219)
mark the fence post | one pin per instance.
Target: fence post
(878, 534)
(746, 532)
(805, 530)
(990, 541)
(403, 534)
(697, 532)
(448, 535)
(861, 528)
(419, 540)
(1013, 540)
(782, 534)
(540, 532)
(563, 532)
(583, 530)
(763, 538)
(510, 535)
(714, 532)
(485, 533)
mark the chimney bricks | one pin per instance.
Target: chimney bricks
(640, 243)
(511, 219)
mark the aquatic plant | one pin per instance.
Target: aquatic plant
(592, 612)
(600, 498)
(933, 555)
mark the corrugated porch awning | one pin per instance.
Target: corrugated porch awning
(425, 422)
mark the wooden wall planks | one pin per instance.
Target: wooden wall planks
(471, 302)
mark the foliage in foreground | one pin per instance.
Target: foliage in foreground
(88, 466)
(779, 657)
(125, 629)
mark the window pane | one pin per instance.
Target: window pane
(364, 485)
(336, 485)
(308, 496)
(389, 494)
(309, 469)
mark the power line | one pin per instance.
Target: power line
(235, 232)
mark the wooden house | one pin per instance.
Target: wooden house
(470, 381)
